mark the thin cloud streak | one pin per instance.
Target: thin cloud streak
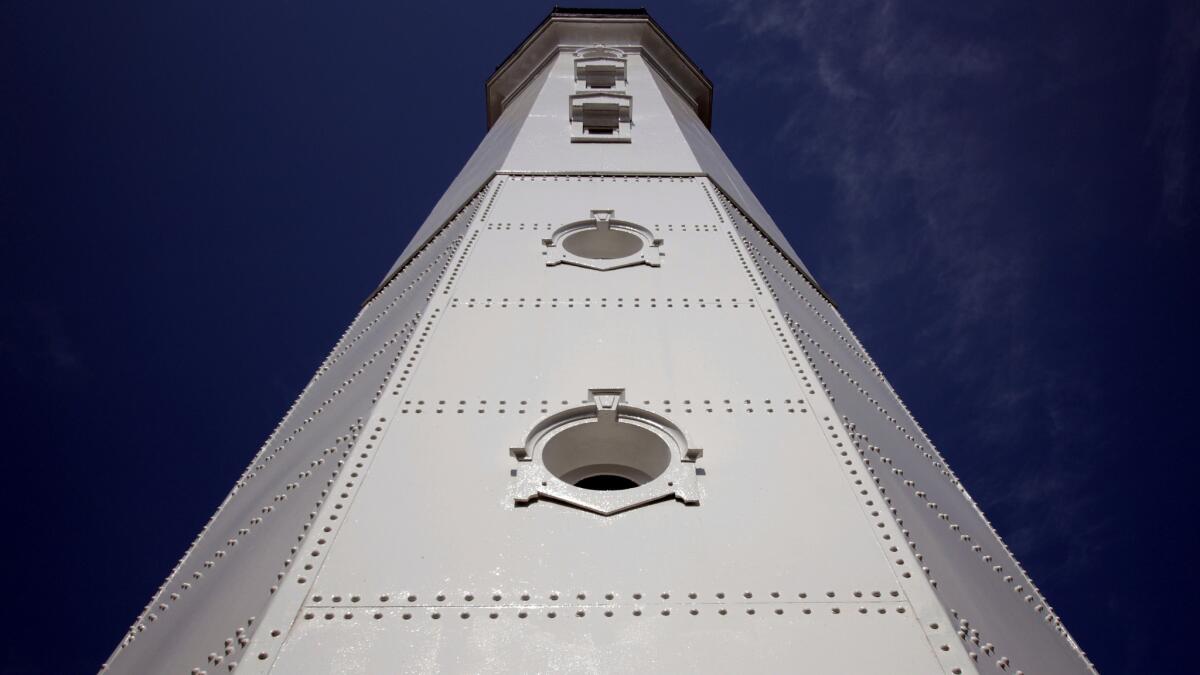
(1174, 109)
(889, 116)
(883, 127)
(38, 344)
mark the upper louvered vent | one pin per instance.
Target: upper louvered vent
(601, 111)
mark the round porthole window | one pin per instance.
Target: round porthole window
(597, 456)
(609, 243)
(602, 243)
(606, 457)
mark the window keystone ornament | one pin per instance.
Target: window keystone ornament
(605, 457)
(602, 243)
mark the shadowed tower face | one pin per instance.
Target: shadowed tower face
(598, 417)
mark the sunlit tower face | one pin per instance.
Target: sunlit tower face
(598, 416)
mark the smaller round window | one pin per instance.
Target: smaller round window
(603, 243)
(607, 244)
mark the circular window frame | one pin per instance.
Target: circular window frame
(535, 480)
(649, 253)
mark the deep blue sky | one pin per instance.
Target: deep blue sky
(1002, 196)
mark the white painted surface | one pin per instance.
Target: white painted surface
(737, 642)
(228, 575)
(544, 144)
(484, 162)
(425, 522)
(716, 165)
(996, 602)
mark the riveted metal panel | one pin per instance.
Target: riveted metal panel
(1003, 617)
(454, 470)
(677, 637)
(426, 517)
(568, 349)
(655, 201)
(698, 267)
(208, 609)
(716, 165)
(484, 162)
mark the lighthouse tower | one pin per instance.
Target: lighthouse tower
(598, 417)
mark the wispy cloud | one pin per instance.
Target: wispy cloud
(1175, 111)
(884, 129)
(881, 123)
(886, 106)
(36, 342)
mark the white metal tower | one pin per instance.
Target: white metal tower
(598, 417)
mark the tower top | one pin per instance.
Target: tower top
(571, 28)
